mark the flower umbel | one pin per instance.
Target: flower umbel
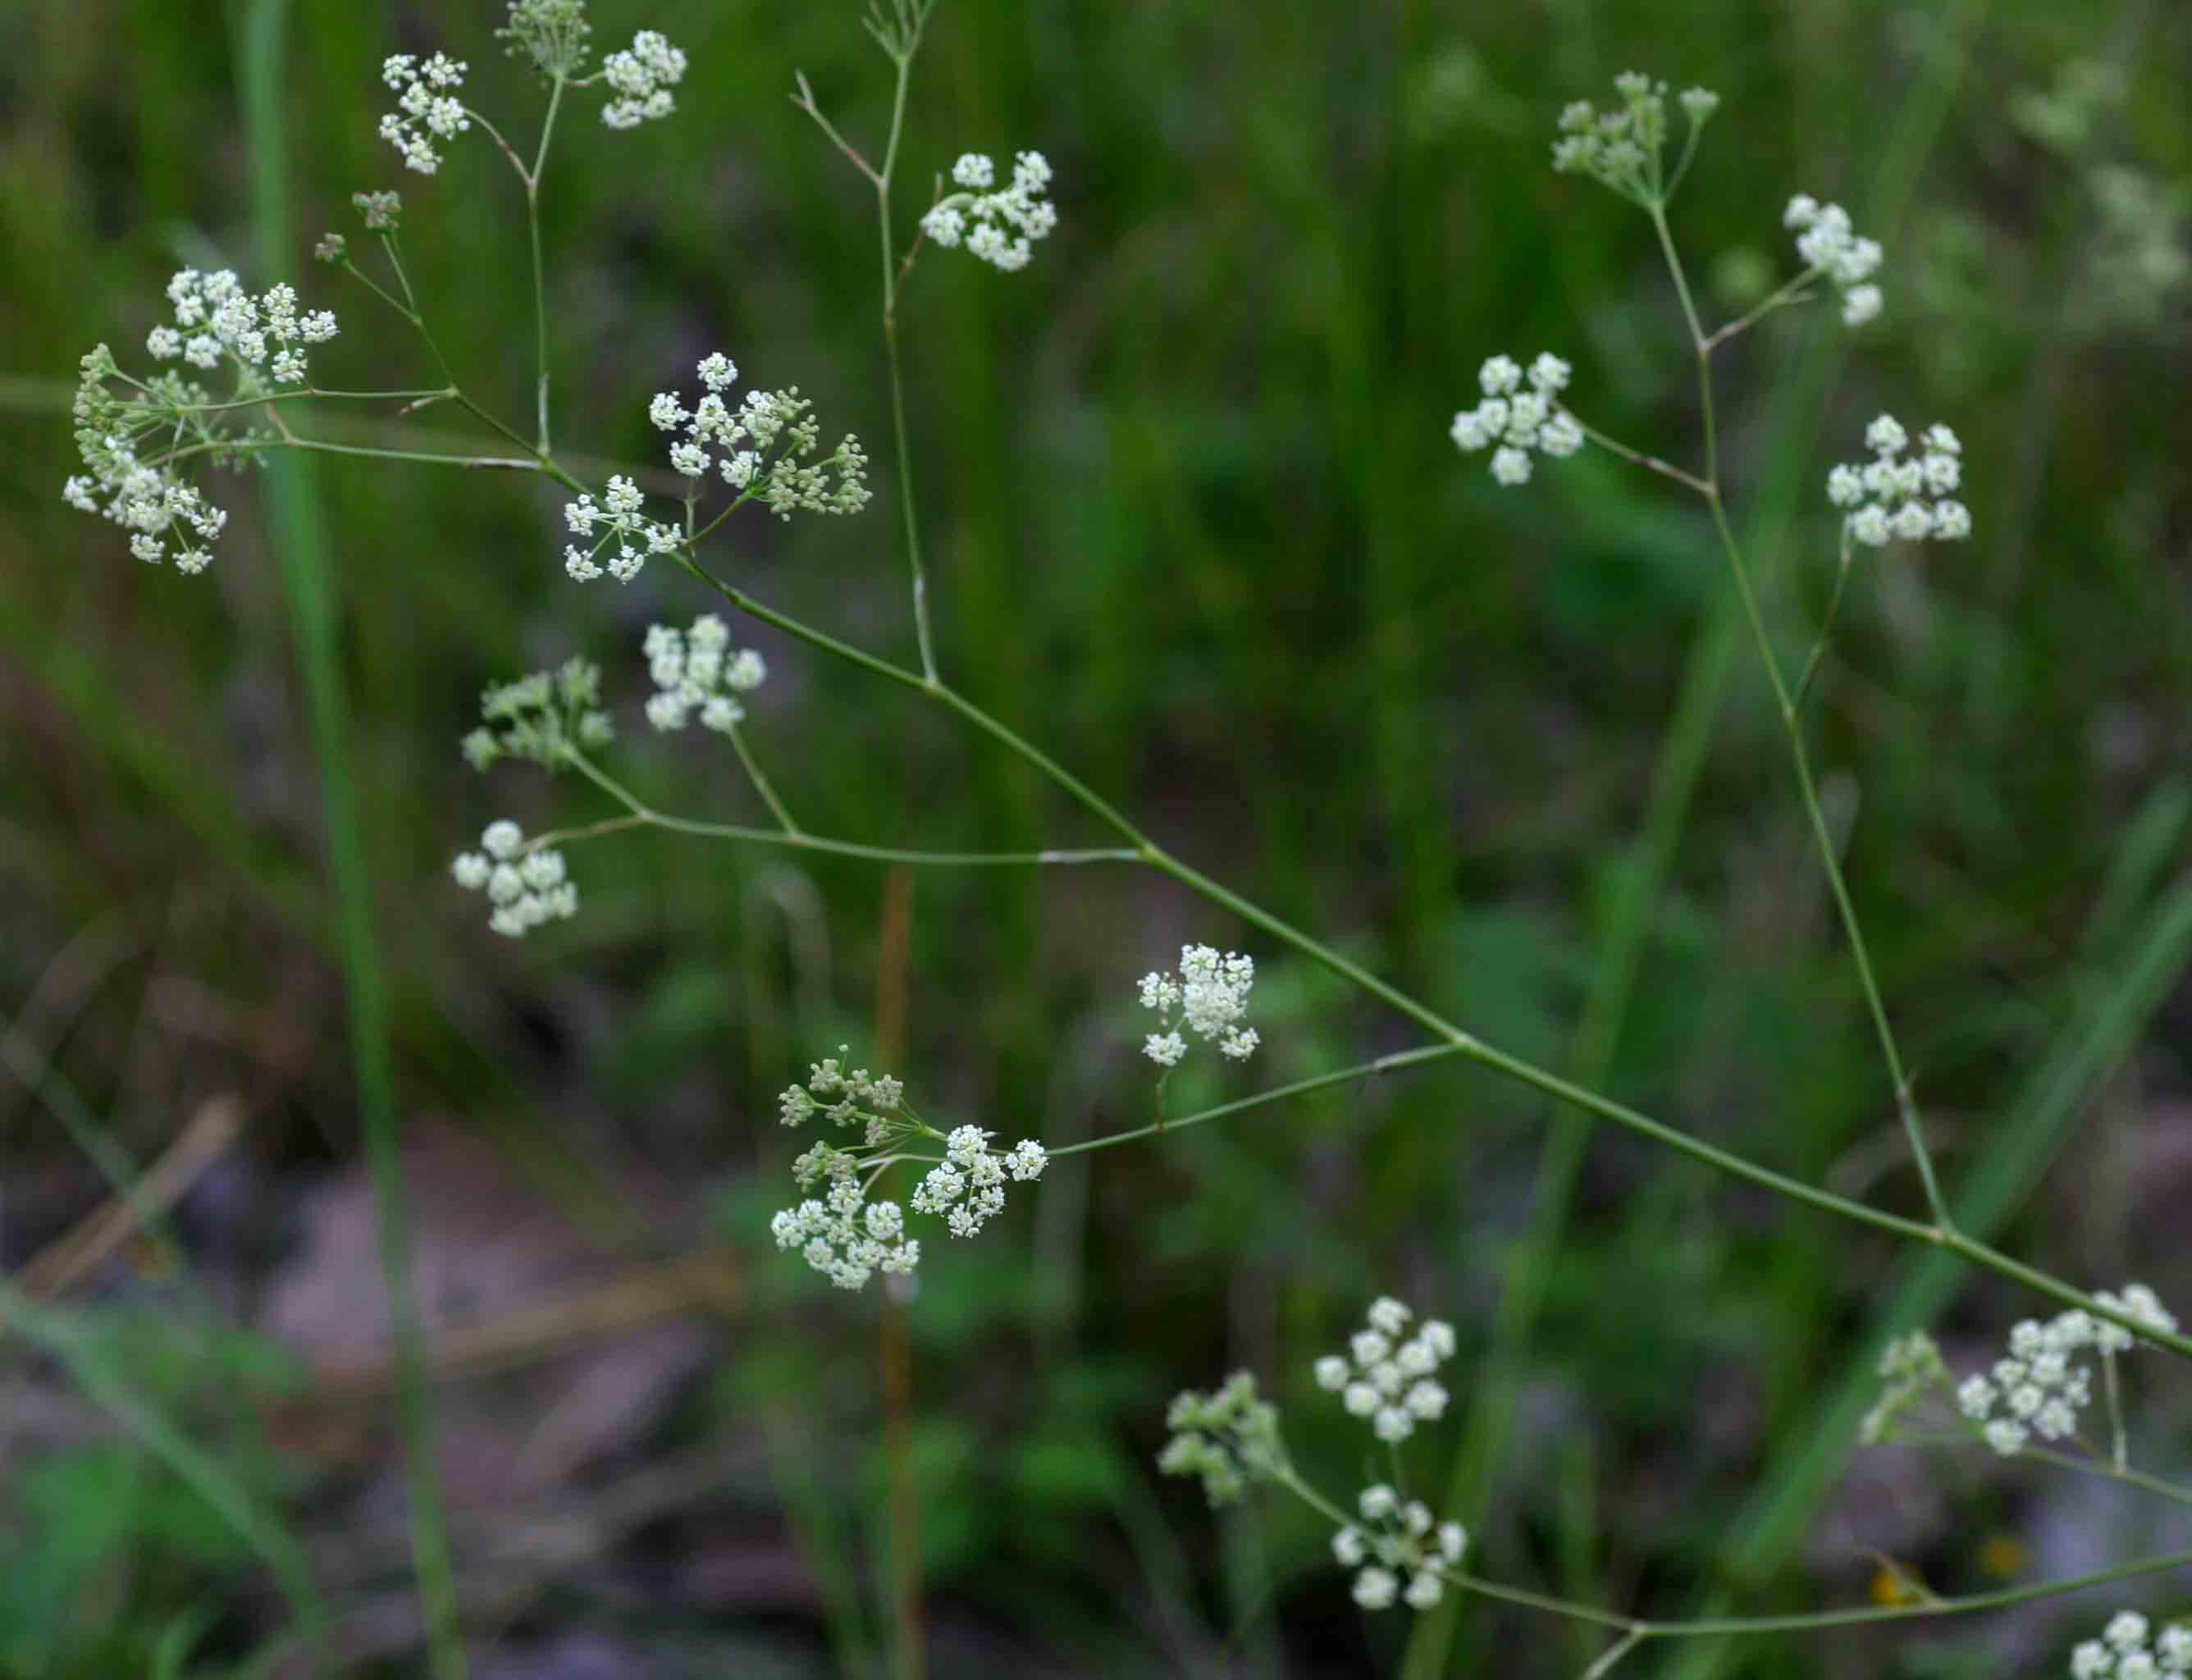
(1210, 995)
(2040, 1385)
(526, 883)
(1624, 148)
(1516, 421)
(1229, 1437)
(541, 717)
(2124, 1651)
(128, 441)
(1892, 499)
(998, 226)
(698, 670)
(641, 77)
(427, 107)
(847, 1238)
(1827, 243)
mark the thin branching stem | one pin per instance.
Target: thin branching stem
(1638, 1629)
(1792, 727)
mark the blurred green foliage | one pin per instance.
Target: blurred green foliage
(1195, 527)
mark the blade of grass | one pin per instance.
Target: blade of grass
(298, 528)
(2103, 1028)
(1794, 414)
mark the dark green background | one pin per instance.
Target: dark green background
(1195, 527)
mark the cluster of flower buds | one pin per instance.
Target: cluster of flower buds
(1229, 1437)
(428, 108)
(2039, 1386)
(999, 225)
(541, 717)
(847, 1238)
(641, 77)
(527, 885)
(1891, 497)
(127, 440)
(1389, 1377)
(1517, 421)
(697, 671)
(1210, 994)
(1827, 243)
(1624, 149)
(2123, 1651)
(1398, 1537)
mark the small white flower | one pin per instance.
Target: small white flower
(1510, 466)
(470, 871)
(1361, 1399)
(1393, 1423)
(1331, 1372)
(2126, 1630)
(501, 840)
(2005, 1436)
(1499, 376)
(1424, 1590)
(1377, 1502)
(2090, 1659)
(1861, 305)
(1347, 1548)
(1374, 1588)
(974, 170)
(1452, 1541)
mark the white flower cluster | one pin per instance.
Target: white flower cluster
(261, 339)
(151, 503)
(968, 1187)
(216, 320)
(527, 884)
(841, 1096)
(1622, 149)
(848, 1239)
(766, 444)
(2123, 1653)
(1826, 242)
(696, 671)
(624, 524)
(541, 717)
(2040, 1385)
(1519, 420)
(1389, 1377)
(844, 1236)
(641, 77)
(1395, 1538)
(999, 226)
(1211, 994)
(1229, 1437)
(428, 107)
(1891, 498)
(2039, 1388)
(1910, 1369)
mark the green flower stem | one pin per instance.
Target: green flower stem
(2110, 1470)
(1906, 1102)
(1637, 1629)
(762, 784)
(1666, 469)
(1826, 626)
(901, 436)
(1791, 293)
(1277, 1093)
(539, 270)
(643, 816)
(317, 390)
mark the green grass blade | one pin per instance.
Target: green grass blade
(298, 532)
